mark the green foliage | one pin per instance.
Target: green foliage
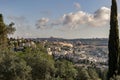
(4, 31)
(65, 70)
(42, 64)
(10, 28)
(82, 74)
(13, 67)
(87, 74)
(1, 18)
(93, 74)
(37, 65)
(3, 34)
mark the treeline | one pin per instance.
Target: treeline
(35, 64)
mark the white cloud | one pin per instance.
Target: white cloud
(75, 19)
(99, 18)
(42, 23)
(77, 5)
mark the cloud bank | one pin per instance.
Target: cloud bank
(99, 18)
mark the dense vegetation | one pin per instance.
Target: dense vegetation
(35, 64)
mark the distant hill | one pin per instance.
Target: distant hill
(91, 41)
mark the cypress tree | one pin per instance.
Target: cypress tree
(113, 43)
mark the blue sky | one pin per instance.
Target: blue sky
(58, 18)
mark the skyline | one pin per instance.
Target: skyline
(62, 19)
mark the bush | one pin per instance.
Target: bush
(13, 67)
(42, 64)
(65, 70)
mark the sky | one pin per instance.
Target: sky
(58, 18)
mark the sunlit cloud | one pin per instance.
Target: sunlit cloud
(99, 18)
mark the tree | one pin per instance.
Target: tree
(82, 74)
(4, 31)
(10, 28)
(13, 67)
(3, 34)
(113, 42)
(87, 73)
(42, 64)
(65, 70)
(93, 74)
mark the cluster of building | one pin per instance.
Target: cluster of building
(76, 52)
(79, 53)
(21, 44)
